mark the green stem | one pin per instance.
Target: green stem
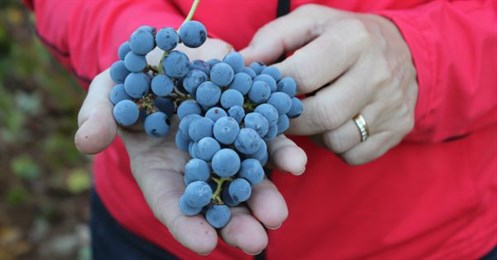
(192, 10)
(216, 196)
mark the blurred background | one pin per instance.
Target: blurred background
(44, 180)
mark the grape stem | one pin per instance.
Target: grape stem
(216, 196)
(192, 11)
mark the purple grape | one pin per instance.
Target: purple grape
(215, 113)
(142, 41)
(259, 92)
(188, 107)
(230, 98)
(206, 148)
(156, 124)
(297, 108)
(226, 130)
(281, 101)
(218, 216)
(225, 163)
(268, 79)
(222, 74)
(237, 112)
(208, 94)
(118, 72)
(137, 84)
(269, 112)
(235, 60)
(197, 194)
(135, 62)
(200, 128)
(241, 82)
(123, 50)
(126, 113)
(167, 39)
(193, 79)
(193, 34)
(176, 64)
(196, 170)
(273, 72)
(248, 141)
(162, 85)
(257, 122)
(252, 171)
(117, 93)
(288, 86)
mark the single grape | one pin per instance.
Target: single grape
(225, 163)
(288, 86)
(249, 71)
(257, 67)
(197, 194)
(165, 104)
(230, 98)
(281, 101)
(202, 66)
(118, 71)
(192, 149)
(248, 141)
(272, 132)
(126, 113)
(283, 124)
(268, 79)
(297, 108)
(206, 148)
(235, 60)
(184, 124)
(257, 122)
(142, 41)
(273, 72)
(156, 124)
(162, 85)
(181, 142)
(227, 199)
(241, 82)
(167, 39)
(208, 94)
(261, 154)
(188, 107)
(193, 34)
(200, 128)
(222, 74)
(137, 84)
(193, 79)
(176, 64)
(215, 113)
(186, 209)
(117, 94)
(259, 92)
(135, 62)
(218, 216)
(226, 130)
(197, 170)
(213, 62)
(252, 171)
(239, 190)
(123, 50)
(269, 112)
(237, 112)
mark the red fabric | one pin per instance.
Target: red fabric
(433, 196)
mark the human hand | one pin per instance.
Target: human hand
(158, 165)
(353, 64)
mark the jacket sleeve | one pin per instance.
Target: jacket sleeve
(85, 34)
(454, 48)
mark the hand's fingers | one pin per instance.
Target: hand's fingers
(268, 205)
(284, 34)
(245, 232)
(286, 155)
(335, 104)
(97, 128)
(327, 57)
(371, 149)
(342, 138)
(157, 165)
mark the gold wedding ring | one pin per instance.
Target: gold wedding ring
(361, 124)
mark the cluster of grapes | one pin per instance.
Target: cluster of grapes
(227, 111)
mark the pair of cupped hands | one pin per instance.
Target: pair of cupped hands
(346, 63)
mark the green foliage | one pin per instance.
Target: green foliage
(24, 167)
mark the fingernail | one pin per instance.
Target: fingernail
(301, 172)
(248, 253)
(273, 228)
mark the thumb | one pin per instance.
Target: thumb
(283, 35)
(97, 128)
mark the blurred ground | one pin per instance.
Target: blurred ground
(44, 180)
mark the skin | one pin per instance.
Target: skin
(346, 64)
(350, 63)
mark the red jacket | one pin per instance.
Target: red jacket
(433, 196)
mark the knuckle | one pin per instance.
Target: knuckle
(324, 118)
(335, 142)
